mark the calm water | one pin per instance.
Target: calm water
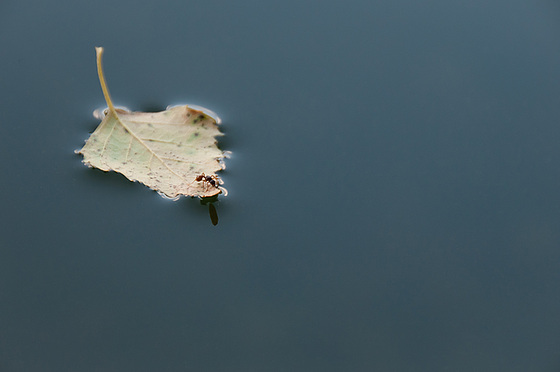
(394, 188)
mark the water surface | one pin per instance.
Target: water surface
(393, 191)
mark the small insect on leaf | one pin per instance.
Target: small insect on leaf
(174, 151)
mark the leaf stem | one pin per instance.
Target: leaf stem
(99, 54)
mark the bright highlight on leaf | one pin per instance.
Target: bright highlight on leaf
(173, 152)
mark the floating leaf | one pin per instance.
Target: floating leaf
(173, 152)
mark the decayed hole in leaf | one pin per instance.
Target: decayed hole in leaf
(167, 151)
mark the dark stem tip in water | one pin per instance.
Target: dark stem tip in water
(213, 214)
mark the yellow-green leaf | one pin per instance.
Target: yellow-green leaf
(173, 152)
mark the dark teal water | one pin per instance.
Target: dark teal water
(394, 188)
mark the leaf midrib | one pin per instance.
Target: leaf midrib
(127, 128)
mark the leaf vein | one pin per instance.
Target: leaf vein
(107, 140)
(153, 154)
(158, 140)
(128, 150)
(156, 122)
